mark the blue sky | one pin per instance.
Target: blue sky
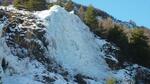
(136, 10)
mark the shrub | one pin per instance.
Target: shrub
(31, 5)
(5, 3)
(50, 5)
(111, 81)
(35, 5)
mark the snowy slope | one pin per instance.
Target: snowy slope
(73, 45)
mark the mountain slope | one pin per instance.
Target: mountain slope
(53, 47)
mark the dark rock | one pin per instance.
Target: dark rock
(4, 64)
(48, 79)
(142, 76)
(80, 79)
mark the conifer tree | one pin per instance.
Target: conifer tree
(81, 13)
(90, 17)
